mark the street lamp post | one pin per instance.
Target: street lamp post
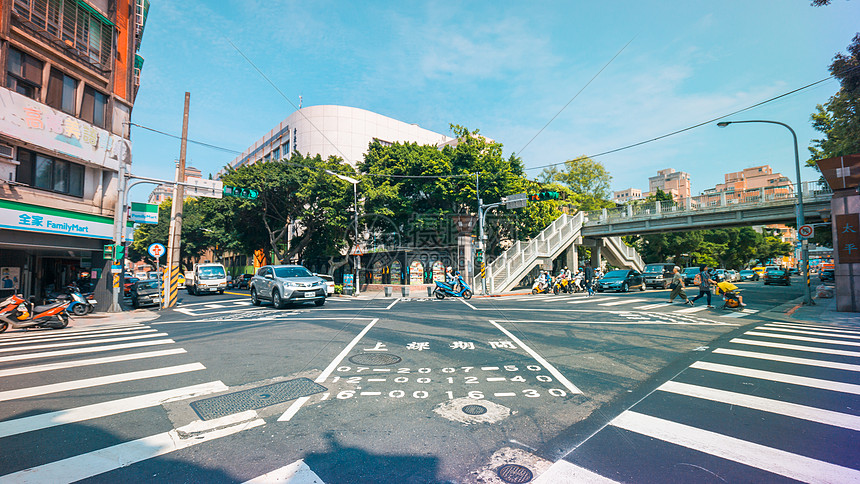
(804, 252)
(355, 197)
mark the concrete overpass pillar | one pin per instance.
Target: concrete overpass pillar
(596, 259)
(572, 258)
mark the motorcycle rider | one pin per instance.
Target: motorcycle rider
(543, 280)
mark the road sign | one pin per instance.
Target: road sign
(517, 200)
(144, 213)
(806, 231)
(156, 250)
(201, 187)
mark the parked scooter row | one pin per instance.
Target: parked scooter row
(545, 283)
(79, 304)
(17, 312)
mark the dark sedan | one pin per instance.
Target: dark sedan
(621, 280)
(827, 275)
(145, 293)
(129, 281)
(243, 281)
(777, 276)
(749, 275)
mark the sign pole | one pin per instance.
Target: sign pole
(173, 241)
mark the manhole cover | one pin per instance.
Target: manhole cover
(375, 359)
(255, 398)
(474, 409)
(515, 473)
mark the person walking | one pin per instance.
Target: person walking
(704, 281)
(588, 277)
(677, 286)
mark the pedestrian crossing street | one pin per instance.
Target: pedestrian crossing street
(779, 403)
(100, 370)
(630, 302)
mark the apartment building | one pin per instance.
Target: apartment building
(676, 183)
(67, 87)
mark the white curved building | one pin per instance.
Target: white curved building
(334, 130)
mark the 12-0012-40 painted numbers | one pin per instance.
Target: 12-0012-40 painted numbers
(378, 375)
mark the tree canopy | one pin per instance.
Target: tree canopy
(731, 247)
(587, 179)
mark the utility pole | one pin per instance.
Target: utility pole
(173, 240)
(118, 229)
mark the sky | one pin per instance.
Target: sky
(504, 68)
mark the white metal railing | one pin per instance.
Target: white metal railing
(779, 194)
(628, 255)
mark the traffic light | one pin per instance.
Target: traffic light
(479, 256)
(547, 195)
(107, 252)
(238, 192)
(118, 252)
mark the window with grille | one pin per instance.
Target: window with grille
(74, 23)
(62, 92)
(24, 74)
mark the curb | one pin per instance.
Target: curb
(784, 311)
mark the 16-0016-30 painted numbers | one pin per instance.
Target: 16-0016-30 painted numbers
(404, 379)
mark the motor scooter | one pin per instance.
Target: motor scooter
(79, 304)
(458, 288)
(537, 288)
(17, 312)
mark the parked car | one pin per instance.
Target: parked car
(777, 276)
(720, 275)
(734, 276)
(284, 284)
(209, 277)
(658, 275)
(145, 293)
(794, 271)
(329, 283)
(621, 280)
(749, 275)
(243, 281)
(827, 275)
(126, 287)
(690, 274)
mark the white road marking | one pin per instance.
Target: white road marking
(377, 379)
(214, 306)
(97, 381)
(777, 461)
(801, 338)
(691, 310)
(809, 349)
(99, 410)
(789, 359)
(564, 471)
(657, 320)
(585, 299)
(370, 394)
(740, 314)
(77, 351)
(30, 337)
(19, 344)
(205, 303)
(392, 304)
(242, 303)
(382, 369)
(489, 368)
(813, 333)
(654, 306)
(557, 374)
(838, 329)
(294, 408)
(795, 410)
(505, 394)
(296, 473)
(93, 361)
(497, 378)
(779, 377)
(467, 304)
(623, 301)
(122, 455)
(79, 343)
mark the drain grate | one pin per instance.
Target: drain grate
(474, 409)
(375, 359)
(515, 473)
(255, 398)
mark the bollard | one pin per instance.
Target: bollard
(404, 291)
(387, 291)
(429, 291)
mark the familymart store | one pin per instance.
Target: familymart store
(42, 249)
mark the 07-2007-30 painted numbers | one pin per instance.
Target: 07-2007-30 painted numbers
(448, 375)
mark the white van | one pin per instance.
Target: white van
(206, 278)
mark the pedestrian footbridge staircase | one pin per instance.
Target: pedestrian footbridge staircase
(506, 272)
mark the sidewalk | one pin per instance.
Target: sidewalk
(135, 316)
(824, 311)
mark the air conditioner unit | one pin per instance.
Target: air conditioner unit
(6, 151)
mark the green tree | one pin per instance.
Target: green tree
(586, 178)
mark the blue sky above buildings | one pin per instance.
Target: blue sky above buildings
(505, 68)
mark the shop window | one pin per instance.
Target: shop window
(61, 91)
(94, 107)
(24, 74)
(50, 174)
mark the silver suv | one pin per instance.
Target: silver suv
(286, 284)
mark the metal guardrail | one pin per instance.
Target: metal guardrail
(726, 200)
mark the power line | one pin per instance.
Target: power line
(220, 148)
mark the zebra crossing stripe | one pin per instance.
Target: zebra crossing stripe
(740, 314)
(585, 299)
(296, 473)
(691, 310)
(92, 361)
(795, 410)
(66, 338)
(564, 471)
(77, 351)
(117, 456)
(813, 333)
(815, 326)
(28, 337)
(104, 409)
(793, 466)
(623, 301)
(79, 343)
(654, 306)
(789, 359)
(784, 346)
(779, 377)
(801, 338)
(97, 381)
